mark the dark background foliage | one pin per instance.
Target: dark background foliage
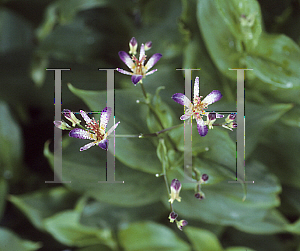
(87, 35)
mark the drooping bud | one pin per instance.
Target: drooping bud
(133, 46)
(173, 216)
(175, 189)
(200, 195)
(230, 117)
(181, 224)
(204, 177)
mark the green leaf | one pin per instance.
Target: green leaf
(239, 249)
(162, 112)
(43, 204)
(100, 214)
(149, 236)
(10, 241)
(258, 119)
(11, 144)
(275, 60)
(84, 170)
(65, 227)
(223, 204)
(243, 19)
(136, 153)
(220, 42)
(280, 150)
(202, 240)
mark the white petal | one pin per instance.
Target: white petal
(85, 117)
(196, 87)
(112, 128)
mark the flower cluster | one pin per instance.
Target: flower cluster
(197, 109)
(93, 130)
(136, 65)
(175, 190)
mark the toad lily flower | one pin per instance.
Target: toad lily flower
(95, 130)
(196, 110)
(139, 70)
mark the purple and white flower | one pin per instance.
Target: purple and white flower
(196, 109)
(139, 70)
(95, 130)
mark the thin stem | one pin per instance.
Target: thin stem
(144, 91)
(155, 134)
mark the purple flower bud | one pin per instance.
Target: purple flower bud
(148, 45)
(199, 196)
(176, 185)
(173, 216)
(175, 189)
(232, 116)
(234, 125)
(204, 177)
(133, 41)
(132, 46)
(212, 116)
(181, 224)
(71, 117)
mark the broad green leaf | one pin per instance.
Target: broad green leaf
(3, 194)
(224, 205)
(65, 227)
(43, 204)
(149, 236)
(275, 60)
(202, 240)
(224, 49)
(84, 170)
(11, 143)
(280, 151)
(10, 241)
(100, 214)
(243, 19)
(136, 153)
(258, 119)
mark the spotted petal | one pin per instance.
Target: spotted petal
(112, 128)
(103, 144)
(202, 128)
(180, 98)
(124, 72)
(85, 117)
(80, 134)
(185, 116)
(136, 78)
(142, 52)
(126, 59)
(213, 97)
(87, 146)
(196, 87)
(105, 116)
(152, 61)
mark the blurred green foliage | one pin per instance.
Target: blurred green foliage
(85, 35)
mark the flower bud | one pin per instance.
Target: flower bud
(230, 117)
(133, 46)
(181, 224)
(148, 45)
(173, 216)
(175, 189)
(204, 177)
(62, 125)
(200, 195)
(71, 117)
